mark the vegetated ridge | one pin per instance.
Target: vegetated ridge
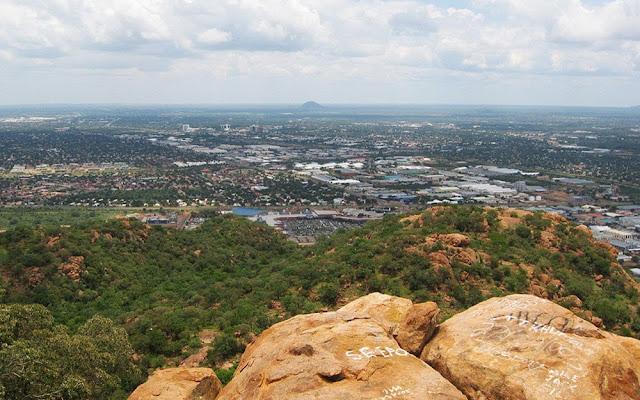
(236, 278)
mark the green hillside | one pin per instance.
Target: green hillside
(236, 278)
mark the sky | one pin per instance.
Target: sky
(510, 52)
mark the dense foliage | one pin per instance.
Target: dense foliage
(41, 360)
(236, 277)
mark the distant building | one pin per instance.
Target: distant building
(574, 181)
(185, 128)
(157, 221)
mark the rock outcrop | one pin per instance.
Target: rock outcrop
(524, 347)
(351, 353)
(179, 384)
(450, 239)
(410, 325)
(518, 347)
(72, 269)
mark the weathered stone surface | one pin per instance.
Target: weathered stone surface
(72, 269)
(418, 326)
(632, 345)
(411, 325)
(451, 239)
(388, 311)
(348, 354)
(524, 347)
(179, 384)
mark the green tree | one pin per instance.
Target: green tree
(224, 346)
(39, 360)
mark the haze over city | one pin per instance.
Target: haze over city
(560, 52)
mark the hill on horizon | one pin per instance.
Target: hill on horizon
(312, 106)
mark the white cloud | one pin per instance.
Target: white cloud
(367, 40)
(213, 36)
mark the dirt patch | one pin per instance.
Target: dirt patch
(194, 360)
(208, 335)
(413, 218)
(507, 221)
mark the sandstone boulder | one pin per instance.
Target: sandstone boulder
(450, 239)
(524, 347)
(179, 384)
(351, 353)
(418, 326)
(410, 324)
(388, 311)
(72, 269)
(585, 229)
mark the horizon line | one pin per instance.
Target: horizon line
(299, 105)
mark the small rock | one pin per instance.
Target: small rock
(575, 301)
(179, 384)
(418, 327)
(539, 291)
(555, 283)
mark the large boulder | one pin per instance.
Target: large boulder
(524, 347)
(351, 353)
(179, 384)
(410, 324)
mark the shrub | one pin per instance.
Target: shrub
(225, 346)
(523, 232)
(329, 293)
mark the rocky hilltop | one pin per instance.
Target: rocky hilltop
(386, 347)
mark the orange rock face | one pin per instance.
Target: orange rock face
(72, 269)
(585, 229)
(524, 347)
(348, 354)
(612, 250)
(179, 384)
(410, 324)
(451, 239)
(511, 348)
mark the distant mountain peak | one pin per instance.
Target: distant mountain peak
(311, 105)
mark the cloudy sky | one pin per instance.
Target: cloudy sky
(539, 52)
